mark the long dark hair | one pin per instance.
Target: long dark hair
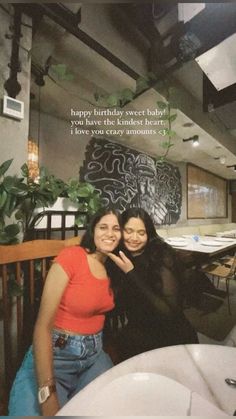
(155, 244)
(87, 240)
(156, 255)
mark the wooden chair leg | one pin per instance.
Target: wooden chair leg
(227, 290)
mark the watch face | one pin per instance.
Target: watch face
(43, 394)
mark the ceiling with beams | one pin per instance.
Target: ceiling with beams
(107, 46)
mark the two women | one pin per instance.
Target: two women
(150, 290)
(67, 344)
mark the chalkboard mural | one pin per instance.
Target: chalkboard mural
(127, 178)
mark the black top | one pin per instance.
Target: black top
(152, 297)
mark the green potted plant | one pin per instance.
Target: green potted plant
(42, 193)
(76, 196)
(21, 197)
(11, 187)
(84, 196)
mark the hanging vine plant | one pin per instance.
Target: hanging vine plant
(123, 97)
(58, 72)
(169, 132)
(126, 96)
(61, 72)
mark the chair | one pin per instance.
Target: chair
(230, 339)
(115, 322)
(56, 224)
(23, 269)
(225, 271)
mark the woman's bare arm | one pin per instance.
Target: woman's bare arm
(55, 285)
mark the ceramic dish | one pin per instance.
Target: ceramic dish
(178, 243)
(224, 239)
(176, 239)
(211, 243)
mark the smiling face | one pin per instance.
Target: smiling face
(107, 234)
(135, 235)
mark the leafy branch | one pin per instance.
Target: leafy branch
(126, 96)
(168, 132)
(121, 98)
(21, 195)
(60, 72)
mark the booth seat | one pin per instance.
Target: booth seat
(215, 228)
(229, 226)
(185, 230)
(178, 231)
(211, 229)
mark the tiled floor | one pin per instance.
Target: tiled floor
(213, 319)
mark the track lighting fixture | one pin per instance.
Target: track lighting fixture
(222, 159)
(194, 139)
(233, 166)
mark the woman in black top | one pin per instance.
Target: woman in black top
(150, 290)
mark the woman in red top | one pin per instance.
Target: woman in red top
(67, 345)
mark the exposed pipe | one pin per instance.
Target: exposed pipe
(12, 85)
(49, 11)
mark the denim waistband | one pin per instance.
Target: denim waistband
(75, 340)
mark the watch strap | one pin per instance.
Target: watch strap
(45, 392)
(52, 388)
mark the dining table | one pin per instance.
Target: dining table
(197, 250)
(227, 233)
(202, 244)
(187, 380)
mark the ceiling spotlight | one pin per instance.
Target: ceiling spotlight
(194, 139)
(222, 159)
(233, 166)
(188, 124)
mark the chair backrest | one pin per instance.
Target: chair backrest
(57, 224)
(233, 266)
(23, 269)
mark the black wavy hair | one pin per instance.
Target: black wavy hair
(87, 240)
(157, 254)
(155, 243)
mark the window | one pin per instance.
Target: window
(206, 194)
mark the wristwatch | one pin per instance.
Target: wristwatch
(45, 392)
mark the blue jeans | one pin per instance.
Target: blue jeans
(75, 365)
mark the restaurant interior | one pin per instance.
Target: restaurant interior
(137, 100)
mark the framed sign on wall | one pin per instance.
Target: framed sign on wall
(206, 194)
